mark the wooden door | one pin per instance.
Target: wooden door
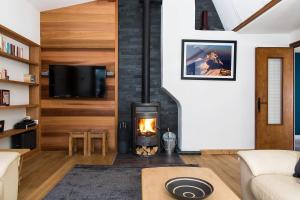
(274, 98)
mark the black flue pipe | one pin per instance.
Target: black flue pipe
(146, 54)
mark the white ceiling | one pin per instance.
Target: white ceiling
(43, 5)
(282, 18)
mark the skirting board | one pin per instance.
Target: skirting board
(188, 152)
(222, 151)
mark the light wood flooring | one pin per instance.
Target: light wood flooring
(41, 172)
(227, 167)
(44, 170)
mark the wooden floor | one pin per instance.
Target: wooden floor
(227, 167)
(43, 171)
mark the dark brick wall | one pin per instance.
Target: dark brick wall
(130, 58)
(214, 21)
(130, 63)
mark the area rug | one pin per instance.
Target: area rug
(99, 183)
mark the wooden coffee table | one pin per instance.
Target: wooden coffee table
(154, 179)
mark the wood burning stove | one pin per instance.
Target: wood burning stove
(146, 115)
(146, 128)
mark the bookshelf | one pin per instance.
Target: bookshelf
(33, 63)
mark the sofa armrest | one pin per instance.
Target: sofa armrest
(9, 175)
(270, 161)
(1, 191)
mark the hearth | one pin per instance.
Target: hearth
(146, 115)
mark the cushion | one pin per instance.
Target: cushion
(6, 158)
(275, 187)
(297, 170)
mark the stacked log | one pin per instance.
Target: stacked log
(146, 151)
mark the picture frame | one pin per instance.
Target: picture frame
(5, 97)
(2, 126)
(209, 60)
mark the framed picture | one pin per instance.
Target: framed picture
(5, 97)
(1, 126)
(208, 60)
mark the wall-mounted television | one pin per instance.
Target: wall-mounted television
(77, 81)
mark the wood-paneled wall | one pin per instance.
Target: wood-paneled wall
(84, 34)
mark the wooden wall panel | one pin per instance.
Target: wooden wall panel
(85, 35)
(89, 25)
(79, 57)
(53, 107)
(55, 129)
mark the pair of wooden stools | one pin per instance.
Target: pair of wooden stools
(88, 145)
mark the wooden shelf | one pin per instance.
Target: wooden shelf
(18, 82)
(33, 65)
(17, 36)
(12, 132)
(16, 58)
(12, 107)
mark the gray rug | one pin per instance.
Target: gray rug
(98, 183)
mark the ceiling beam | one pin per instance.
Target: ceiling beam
(261, 11)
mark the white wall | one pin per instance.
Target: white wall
(21, 17)
(43, 5)
(233, 12)
(295, 36)
(213, 114)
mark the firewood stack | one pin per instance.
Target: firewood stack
(146, 151)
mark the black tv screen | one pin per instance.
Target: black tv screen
(76, 81)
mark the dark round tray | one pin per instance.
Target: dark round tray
(186, 188)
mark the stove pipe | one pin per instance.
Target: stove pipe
(146, 54)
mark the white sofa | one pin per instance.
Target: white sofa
(9, 175)
(268, 175)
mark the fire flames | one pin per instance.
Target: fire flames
(147, 127)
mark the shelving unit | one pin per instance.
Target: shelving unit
(13, 132)
(33, 62)
(18, 82)
(16, 58)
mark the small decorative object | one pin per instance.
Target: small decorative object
(2, 126)
(5, 97)
(3, 74)
(169, 142)
(204, 25)
(186, 188)
(208, 60)
(28, 78)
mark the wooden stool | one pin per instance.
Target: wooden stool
(77, 135)
(97, 135)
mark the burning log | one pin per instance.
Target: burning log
(146, 151)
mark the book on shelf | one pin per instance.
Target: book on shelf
(10, 48)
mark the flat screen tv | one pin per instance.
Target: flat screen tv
(76, 81)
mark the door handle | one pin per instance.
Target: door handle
(259, 102)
